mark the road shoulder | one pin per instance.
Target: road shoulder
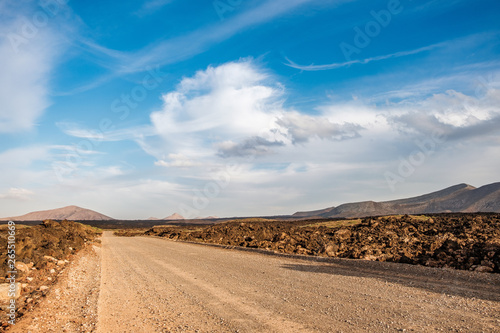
(71, 304)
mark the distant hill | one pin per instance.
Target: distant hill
(174, 216)
(73, 213)
(458, 198)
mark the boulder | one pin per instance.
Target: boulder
(343, 234)
(331, 249)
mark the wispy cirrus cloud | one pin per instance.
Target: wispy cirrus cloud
(151, 6)
(469, 42)
(336, 65)
(167, 52)
(24, 79)
(29, 52)
(15, 193)
(75, 130)
(185, 46)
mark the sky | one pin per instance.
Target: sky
(244, 107)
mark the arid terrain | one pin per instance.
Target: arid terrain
(42, 254)
(462, 241)
(274, 276)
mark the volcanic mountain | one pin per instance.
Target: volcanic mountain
(174, 216)
(73, 213)
(458, 198)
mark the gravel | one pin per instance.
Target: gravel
(71, 304)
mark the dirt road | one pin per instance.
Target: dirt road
(154, 285)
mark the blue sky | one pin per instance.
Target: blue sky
(237, 107)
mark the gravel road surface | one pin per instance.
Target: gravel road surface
(155, 285)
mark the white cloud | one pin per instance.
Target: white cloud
(28, 51)
(17, 194)
(151, 6)
(16, 158)
(236, 110)
(231, 98)
(456, 115)
(303, 127)
(253, 146)
(458, 110)
(231, 102)
(97, 136)
(23, 86)
(21, 174)
(178, 161)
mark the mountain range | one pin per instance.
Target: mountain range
(458, 198)
(177, 216)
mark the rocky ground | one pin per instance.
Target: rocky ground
(70, 305)
(460, 241)
(42, 254)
